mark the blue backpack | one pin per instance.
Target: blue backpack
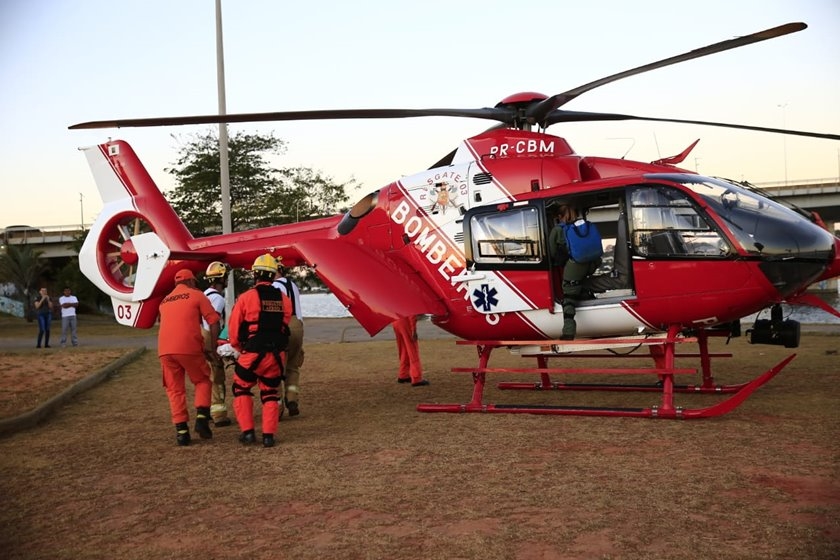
(584, 242)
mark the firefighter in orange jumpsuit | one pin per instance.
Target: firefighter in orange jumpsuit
(182, 349)
(411, 370)
(259, 330)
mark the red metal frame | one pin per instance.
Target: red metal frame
(663, 351)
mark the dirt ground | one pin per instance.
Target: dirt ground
(30, 379)
(360, 474)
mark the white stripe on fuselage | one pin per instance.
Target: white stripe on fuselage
(592, 320)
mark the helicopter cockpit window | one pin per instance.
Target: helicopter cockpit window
(509, 236)
(666, 224)
(762, 226)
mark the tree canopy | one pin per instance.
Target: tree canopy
(260, 195)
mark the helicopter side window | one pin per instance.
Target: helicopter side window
(666, 224)
(508, 236)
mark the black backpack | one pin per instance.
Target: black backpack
(272, 334)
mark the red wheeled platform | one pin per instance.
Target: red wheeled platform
(662, 349)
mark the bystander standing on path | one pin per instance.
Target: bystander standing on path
(43, 309)
(68, 304)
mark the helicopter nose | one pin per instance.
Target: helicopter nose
(833, 269)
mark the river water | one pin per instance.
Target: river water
(322, 305)
(327, 305)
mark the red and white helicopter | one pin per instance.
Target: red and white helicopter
(465, 242)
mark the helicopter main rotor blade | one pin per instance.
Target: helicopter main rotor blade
(490, 113)
(537, 113)
(561, 115)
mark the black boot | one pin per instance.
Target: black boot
(569, 328)
(247, 437)
(202, 422)
(294, 410)
(569, 325)
(182, 433)
(268, 440)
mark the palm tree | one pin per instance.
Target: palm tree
(22, 266)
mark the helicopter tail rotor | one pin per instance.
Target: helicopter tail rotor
(128, 250)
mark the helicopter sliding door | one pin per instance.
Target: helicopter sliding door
(508, 267)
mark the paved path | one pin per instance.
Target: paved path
(316, 330)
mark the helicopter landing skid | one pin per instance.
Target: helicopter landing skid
(664, 355)
(618, 387)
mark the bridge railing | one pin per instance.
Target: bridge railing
(828, 184)
(21, 235)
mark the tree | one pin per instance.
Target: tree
(22, 266)
(260, 196)
(71, 275)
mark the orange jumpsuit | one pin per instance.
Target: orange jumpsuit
(405, 331)
(268, 371)
(181, 348)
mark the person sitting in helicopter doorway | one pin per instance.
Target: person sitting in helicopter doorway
(576, 246)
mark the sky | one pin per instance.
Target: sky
(63, 62)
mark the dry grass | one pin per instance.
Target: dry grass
(361, 474)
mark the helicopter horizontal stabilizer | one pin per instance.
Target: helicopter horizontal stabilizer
(392, 290)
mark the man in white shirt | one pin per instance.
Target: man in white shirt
(68, 304)
(216, 274)
(294, 351)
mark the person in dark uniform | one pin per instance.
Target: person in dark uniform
(574, 248)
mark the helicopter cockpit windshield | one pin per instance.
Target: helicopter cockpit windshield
(762, 226)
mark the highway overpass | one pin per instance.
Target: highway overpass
(52, 241)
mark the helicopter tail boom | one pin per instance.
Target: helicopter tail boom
(138, 243)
